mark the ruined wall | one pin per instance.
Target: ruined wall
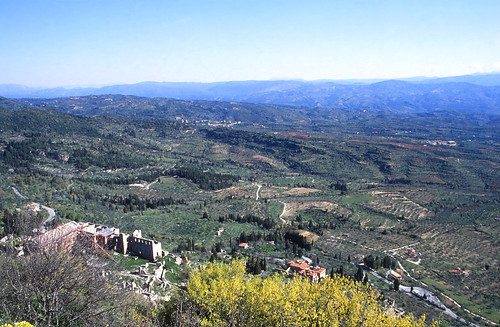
(147, 249)
(120, 243)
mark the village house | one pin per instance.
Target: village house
(302, 268)
(442, 142)
(33, 206)
(394, 275)
(219, 231)
(243, 245)
(297, 266)
(458, 272)
(412, 253)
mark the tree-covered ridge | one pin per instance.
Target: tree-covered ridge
(289, 192)
(133, 107)
(44, 120)
(226, 296)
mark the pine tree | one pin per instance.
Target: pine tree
(396, 285)
(359, 274)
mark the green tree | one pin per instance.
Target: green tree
(396, 285)
(359, 274)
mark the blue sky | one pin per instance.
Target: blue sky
(99, 42)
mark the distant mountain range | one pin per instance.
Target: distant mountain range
(478, 93)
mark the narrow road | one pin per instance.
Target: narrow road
(50, 211)
(415, 262)
(447, 311)
(257, 194)
(418, 292)
(149, 185)
(52, 215)
(283, 213)
(17, 193)
(284, 208)
(402, 247)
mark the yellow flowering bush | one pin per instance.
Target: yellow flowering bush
(225, 294)
(18, 324)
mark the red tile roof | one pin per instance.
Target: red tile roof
(396, 275)
(299, 265)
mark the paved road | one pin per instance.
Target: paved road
(52, 215)
(51, 212)
(418, 292)
(17, 193)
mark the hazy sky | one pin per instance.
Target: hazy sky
(97, 42)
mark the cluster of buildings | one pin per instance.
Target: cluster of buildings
(100, 237)
(208, 122)
(441, 142)
(302, 268)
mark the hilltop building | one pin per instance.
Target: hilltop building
(99, 237)
(135, 244)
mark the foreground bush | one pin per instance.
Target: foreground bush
(55, 286)
(224, 295)
(18, 324)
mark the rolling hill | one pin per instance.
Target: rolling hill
(470, 93)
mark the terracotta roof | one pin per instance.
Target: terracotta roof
(396, 274)
(299, 265)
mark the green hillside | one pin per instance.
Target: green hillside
(382, 180)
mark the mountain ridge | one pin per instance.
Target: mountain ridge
(456, 94)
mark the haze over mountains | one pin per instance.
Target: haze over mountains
(479, 93)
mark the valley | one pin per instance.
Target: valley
(338, 191)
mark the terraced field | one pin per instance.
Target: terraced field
(397, 205)
(292, 207)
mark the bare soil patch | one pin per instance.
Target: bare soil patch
(301, 191)
(249, 157)
(293, 207)
(242, 192)
(311, 237)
